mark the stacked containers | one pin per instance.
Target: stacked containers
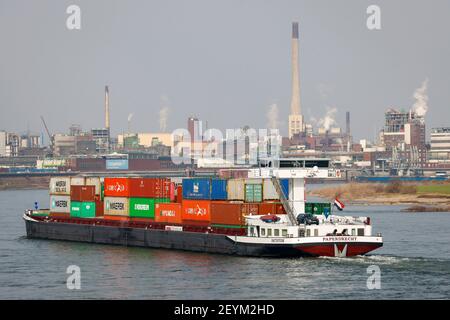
(205, 189)
(168, 213)
(253, 190)
(82, 201)
(136, 197)
(60, 196)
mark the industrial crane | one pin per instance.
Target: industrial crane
(52, 140)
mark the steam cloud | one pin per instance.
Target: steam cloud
(130, 116)
(164, 113)
(329, 119)
(420, 107)
(272, 117)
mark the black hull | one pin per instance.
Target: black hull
(152, 238)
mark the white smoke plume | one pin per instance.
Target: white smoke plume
(420, 107)
(272, 117)
(164, 113)
(328, 120)
(129, 117)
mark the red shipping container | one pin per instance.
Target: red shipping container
(267, 208)
(117, 187)
(196, 210)
(280, 209)
(99, 208)
(149, 188)
(168, 213)
(226, 213)
(179, 193)
(250, 209)
(82, 193)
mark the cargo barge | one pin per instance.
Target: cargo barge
(265, 215)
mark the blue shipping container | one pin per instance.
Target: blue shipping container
(197, 188)
(219, 189)
(285, 187)
(205, 189)
(117, 164)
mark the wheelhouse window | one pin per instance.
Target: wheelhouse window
(316, 232)
(263, 232)
(284, 232)
(269, 232)
(308, 232)
(276, 232)
(360, 232)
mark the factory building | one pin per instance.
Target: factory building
(440, 145)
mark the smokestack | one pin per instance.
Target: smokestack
(295, 101)
(347, 123)
(106, 107)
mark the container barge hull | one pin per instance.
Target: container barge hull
(191, 241)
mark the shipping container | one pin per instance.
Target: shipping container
(142, 208)
(267, 208)
(60, 186)
(82, 193)
(223, 213)
(253, 193)
(269, 191)
(116, 206)
(317, 207)
(82, 209)
(77, 181)
(99, 208)
(168, 213)
(149, 187)
(236, 189)
(196, 210)
(59, 204)
(250, 209)
(95, 181)
(219, 189)
(116, 187)
(197, 188)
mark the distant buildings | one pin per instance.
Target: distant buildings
(440, 145)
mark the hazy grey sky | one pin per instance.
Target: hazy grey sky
(223, 61)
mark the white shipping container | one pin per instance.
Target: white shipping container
(94, 181)
(254, 181)
(60, 204)
(60, 185)
(117, 206)
(77, 181)
(236, 189)
(269, 191)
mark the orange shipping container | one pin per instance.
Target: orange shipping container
(250, 209)
(196, 210)
(168, 212)
(117, 187)
(227, 213)
(267, 208)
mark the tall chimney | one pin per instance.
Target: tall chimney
(296, 125)
(295, 101)
(106, 107)
(347, 123)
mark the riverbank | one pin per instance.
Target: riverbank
(431, 197)
(23, 182)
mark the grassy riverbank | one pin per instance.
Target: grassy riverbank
(423, 197)
(18, 183)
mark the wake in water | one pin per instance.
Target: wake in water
(381, 259)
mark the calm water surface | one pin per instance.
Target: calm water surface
(414, 263)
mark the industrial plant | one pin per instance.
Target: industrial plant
(402, 147)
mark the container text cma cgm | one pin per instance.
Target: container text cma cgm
(262, 215)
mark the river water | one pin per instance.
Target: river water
(414, 264)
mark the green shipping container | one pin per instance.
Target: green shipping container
(253, 193)
(82, 209)
(317, 207)
(145, 207)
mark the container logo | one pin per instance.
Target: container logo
(142, 207)
(116, 206)
(195, 187)
(168, 213)
(60, 204)
(117, 187)
(197, 211)
(60, 186)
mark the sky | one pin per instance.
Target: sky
(225, 62)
